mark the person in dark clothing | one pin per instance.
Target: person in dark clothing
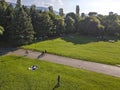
(26, 52)
(45, 51)
(42, 53)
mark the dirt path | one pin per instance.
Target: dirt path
(96, 67)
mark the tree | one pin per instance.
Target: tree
(3, 0)
(8, 17)
(112, 24)
(3, 6)
(61, 12)
(111, 13)
(42, 24)
(58, 24)
(33, 11)
(41, 21)
(21, 30)
(51, 9)
(70, 28)
(18, 5)
(76, 20)
(92, 13)
(77, 10)
(26, 9)
(1, 30)
(91, 26)
(83, 16)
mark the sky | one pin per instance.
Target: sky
(86, 6)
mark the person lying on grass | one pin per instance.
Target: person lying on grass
(33, 67)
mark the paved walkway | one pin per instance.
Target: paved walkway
(96, 67)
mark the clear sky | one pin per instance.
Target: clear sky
(100, 6)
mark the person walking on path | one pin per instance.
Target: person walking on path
(26, 52)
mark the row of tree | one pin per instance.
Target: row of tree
(22, 25)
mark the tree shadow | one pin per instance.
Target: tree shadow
(78, 39)
(81, 39)
(75, 39)
(6, 50)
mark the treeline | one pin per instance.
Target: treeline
(22, 25)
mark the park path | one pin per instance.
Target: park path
(92, 66)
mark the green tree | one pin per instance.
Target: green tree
(92, 13)
(1, 30)
(18, 5)
(51, 9)
(26, 9)
(8, 17)
(58, 24)
(112, 24)
(61, 13)
(21, 30)
(83, 16)
(76, 20)
(60, 29)
(91, 26)
(41, 21)
(3, 6)
(42, 24)
(70, 28)
(33, 13)
(77, 10)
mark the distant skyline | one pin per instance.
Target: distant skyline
(86, 6)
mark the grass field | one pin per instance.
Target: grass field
(80, 47)
(14, 75)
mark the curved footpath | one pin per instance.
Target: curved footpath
(96, 67)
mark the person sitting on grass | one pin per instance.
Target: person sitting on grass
(33, 67)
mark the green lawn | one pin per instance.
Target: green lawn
(14, 75)
(80, 47)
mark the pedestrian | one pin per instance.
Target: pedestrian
(42, 53)
(45, 51)
(26, 52)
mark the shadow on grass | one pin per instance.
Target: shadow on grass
(81, 39)
(78, 39)
(56, 86)
(6, 50)
(6, 47)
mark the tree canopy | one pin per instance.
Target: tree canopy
(25, 24)
(1, 30)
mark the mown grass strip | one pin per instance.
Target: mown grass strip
(14, 74)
